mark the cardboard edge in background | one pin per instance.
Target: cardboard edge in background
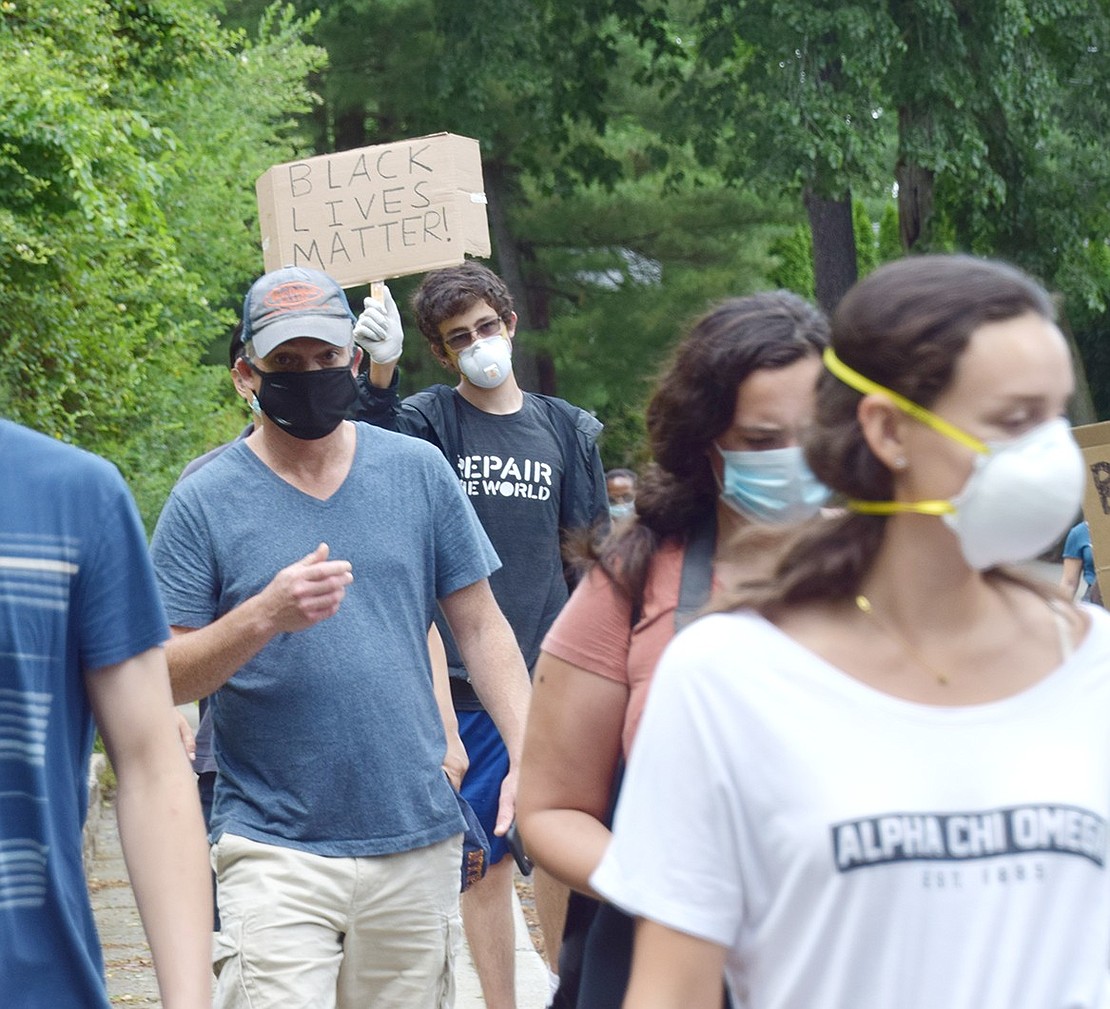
(1094, 443)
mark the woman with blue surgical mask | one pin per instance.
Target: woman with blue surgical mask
(724, 424)
(761, 471)
(880, 775)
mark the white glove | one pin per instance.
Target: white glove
(378, 330)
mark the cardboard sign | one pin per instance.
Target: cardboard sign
(1094, 440)
(376, 212)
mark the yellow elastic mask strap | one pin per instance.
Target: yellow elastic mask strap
(864, 385)
(899, 507)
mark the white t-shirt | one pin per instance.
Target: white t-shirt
(857, 851)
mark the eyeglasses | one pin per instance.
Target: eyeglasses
(459, 341)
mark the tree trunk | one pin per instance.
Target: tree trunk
(321, 143)
(915, 188)
(350, 128)
(834, 247)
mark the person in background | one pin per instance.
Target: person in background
(724, 426)
(337, 836)
(620, 484)
(81, 635)
(530, 466)
(1079, 560)
(886, 764)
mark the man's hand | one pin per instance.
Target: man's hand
(306, 592)
(455, 760)
(203, 659)
(378, 330)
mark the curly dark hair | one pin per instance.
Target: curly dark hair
(235, 344)
(693, 404)
(445, 293)
(904, 327)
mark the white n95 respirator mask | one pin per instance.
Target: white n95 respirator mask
(486, 363)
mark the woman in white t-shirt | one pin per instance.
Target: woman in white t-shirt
(882, 777)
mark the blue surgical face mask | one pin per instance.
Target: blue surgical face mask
(772, 486)
(621, 511)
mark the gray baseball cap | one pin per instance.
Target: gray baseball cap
(291, 302)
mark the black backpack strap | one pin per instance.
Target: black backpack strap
(697, 571)
(582, 911)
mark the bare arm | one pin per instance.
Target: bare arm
(490, 651)
(673, 970)
(1070, 575)
(571, 751)
(455, 760)
(160, 823)
(201, 660)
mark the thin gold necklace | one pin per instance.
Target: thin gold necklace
(863, 604)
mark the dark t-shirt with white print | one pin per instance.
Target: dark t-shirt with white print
(512, 472)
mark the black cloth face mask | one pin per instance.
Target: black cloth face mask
(307, 404)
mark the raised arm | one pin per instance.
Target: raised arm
(380, 334)
(159, 822)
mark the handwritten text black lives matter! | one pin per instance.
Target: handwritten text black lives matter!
(381, 202)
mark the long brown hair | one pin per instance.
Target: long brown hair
(693, 404)
(905, 327)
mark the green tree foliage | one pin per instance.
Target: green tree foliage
(783, 95)
(643, 158)
(794, 252)
(1003, 137)
(867, 241)
(127, 154)
(630, 268)
(890, 240)
(999, 109)
(610, 240)
(979, 91)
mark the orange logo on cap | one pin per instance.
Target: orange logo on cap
(294, 295)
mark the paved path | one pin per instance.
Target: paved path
(127, 956)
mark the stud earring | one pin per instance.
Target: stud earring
(900, 462)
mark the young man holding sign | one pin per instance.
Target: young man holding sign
(530, 467)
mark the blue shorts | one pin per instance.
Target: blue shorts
(489, 763)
